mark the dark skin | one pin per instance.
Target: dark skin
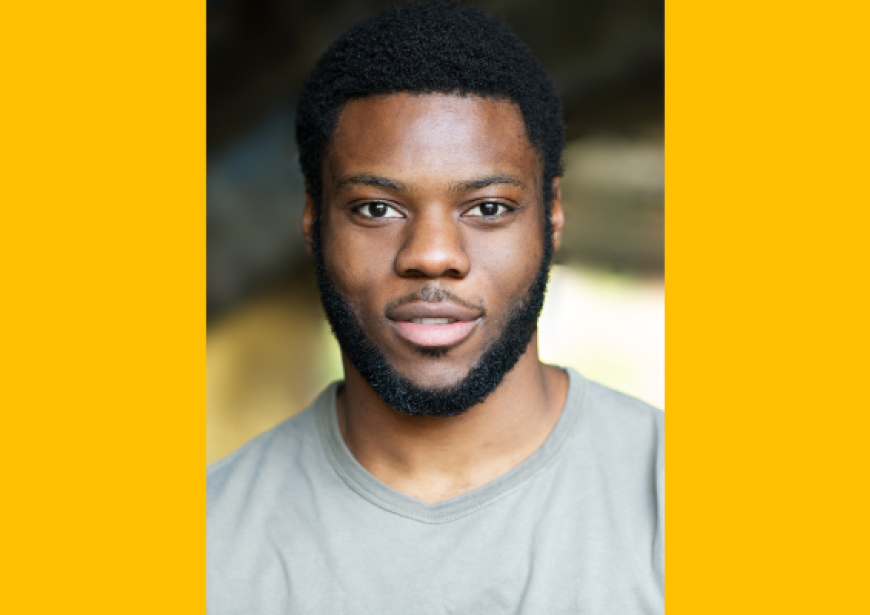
(440, 192)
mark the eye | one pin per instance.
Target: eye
(488, 210)
(378, 210)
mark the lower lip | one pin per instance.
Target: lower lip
(435, 335)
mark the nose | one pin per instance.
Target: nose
(433, 248)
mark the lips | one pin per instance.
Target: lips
(434, 325)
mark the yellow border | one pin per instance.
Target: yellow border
(102, 243)
(103, 250)
(766, 122)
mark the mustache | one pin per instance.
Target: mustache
(432, 293)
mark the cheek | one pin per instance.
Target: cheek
(508, 265)
(356, 263)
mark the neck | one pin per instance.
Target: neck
(434, 459)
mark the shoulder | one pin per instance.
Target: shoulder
(622, 440)
(624, 434)
(258, 467)
(618, 416)
(272, 478)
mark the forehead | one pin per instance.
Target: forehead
(430, 135)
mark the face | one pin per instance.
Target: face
(431, 252)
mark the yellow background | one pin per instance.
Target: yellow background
(766, 318)
(102, 244)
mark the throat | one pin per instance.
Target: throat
(434, 459)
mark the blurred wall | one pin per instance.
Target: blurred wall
(269, 350)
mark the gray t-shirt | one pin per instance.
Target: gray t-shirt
(297, 525)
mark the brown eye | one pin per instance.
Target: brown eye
(488, 210)
(378, 210)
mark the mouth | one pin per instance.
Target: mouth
(434, 325)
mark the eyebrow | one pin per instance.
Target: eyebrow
(489, 180)
(366, 179)
(378, 181)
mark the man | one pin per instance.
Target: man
(451, 471)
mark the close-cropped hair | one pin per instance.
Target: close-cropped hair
(428, 48)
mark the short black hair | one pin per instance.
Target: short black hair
(428, 47)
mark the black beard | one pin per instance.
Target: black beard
(403, 395)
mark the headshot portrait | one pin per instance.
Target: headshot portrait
(435, 270)
(434, 279)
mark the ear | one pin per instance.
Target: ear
(557, 216)
(308, 222)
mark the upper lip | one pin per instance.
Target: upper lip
(442, 309)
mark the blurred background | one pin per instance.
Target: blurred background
(269, 348)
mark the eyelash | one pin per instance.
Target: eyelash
(359, 209)
(504, 210)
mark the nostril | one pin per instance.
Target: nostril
(433, 246)
(432, 265)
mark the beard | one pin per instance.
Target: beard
(402, 394)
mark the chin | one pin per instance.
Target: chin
(434, 370)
